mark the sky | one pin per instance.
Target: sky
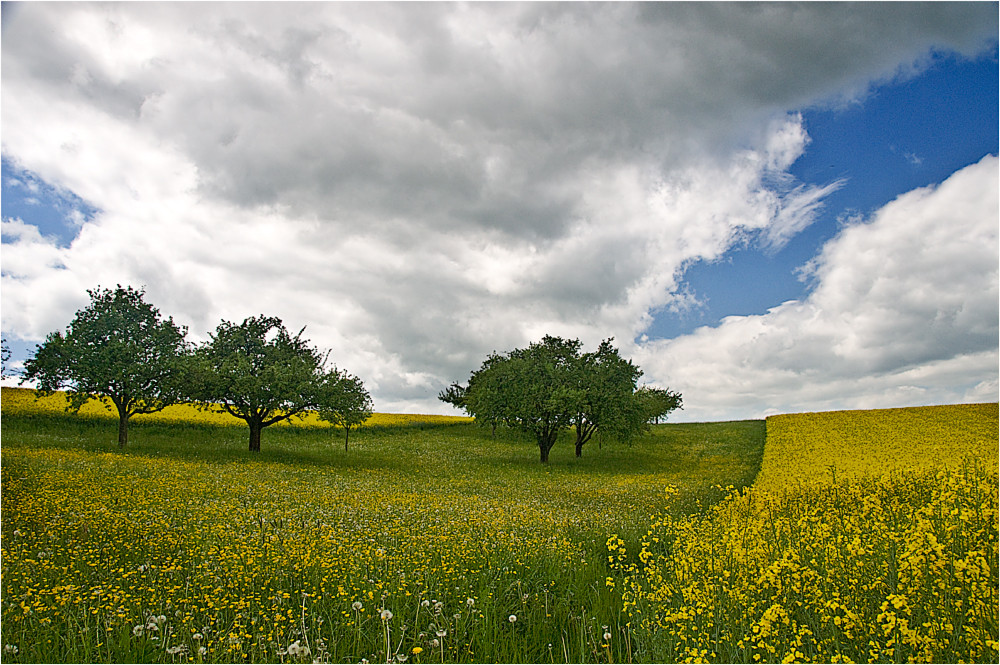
(771, 208)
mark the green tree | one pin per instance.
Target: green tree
(344, 401)
(5, 356)
(531, 389)
(656, 403)
(118, 347)
(604, 392)
(259, 373)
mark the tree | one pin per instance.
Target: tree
(118, 347)
(259, 373)
(656, 403)
(344, 402)
(5, 355)
(605, 387)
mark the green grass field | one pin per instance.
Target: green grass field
(185, 547)
(850, 536)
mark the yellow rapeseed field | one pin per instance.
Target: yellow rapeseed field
(23, 400)
(869, 536)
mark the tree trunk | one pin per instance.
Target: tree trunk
(255, 429)
(545, 452)
(122, 429)
(579, 447)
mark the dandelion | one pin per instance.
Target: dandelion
(138, 630)
(197, 637)
(385, 615)
(435, 643)
(441, 632)
(512, 618)
(10, 648)
(469, 602)
(401, 657)
(425, 603)
(607, 636)
(356, 605)
(202, 651)
(416, 650)
(296, 649)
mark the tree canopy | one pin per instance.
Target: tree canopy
(344, 401)
(258, 372)
(118, 347)
(550, 386)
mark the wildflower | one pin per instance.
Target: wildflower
(296, 649)
(425, 603)
(441, 633)
(202, 651)
(416, 650)
(10, 648)
(198, 637)
(137, 630)
(356, 606)
(401, 657)
(469, 602)
(607, 636)
(435, 643)
(386, 615)
(512, 618)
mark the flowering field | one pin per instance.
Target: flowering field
(23, 401)
(869, 536)
(420, 544)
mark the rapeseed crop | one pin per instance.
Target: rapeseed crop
(868, 537)
(22, 401)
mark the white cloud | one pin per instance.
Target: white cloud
(422, 184)
(904, 311)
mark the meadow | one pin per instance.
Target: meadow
(427, 541)
(867, 536)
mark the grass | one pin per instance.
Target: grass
(850, 536)
(185, 547)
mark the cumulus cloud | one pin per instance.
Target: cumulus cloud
(421, 184)
(903, 311)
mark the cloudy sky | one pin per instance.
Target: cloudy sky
(770, 207)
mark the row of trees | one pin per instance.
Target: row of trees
(552, 386)
(121, 348)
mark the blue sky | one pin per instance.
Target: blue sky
(770, 207)
(904, 135)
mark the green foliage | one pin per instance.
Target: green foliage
(604, 396)
(551, 386)
(656, 403)
(118, 347)
(344, 401)
(259, 373)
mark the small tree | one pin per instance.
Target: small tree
(118, 347)
(605, 387)
(656, 403)
(531, 389)
(5, 356)
(259, 373)
(344, 402)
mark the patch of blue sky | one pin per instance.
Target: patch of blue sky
(58, 214)
(905, 135)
